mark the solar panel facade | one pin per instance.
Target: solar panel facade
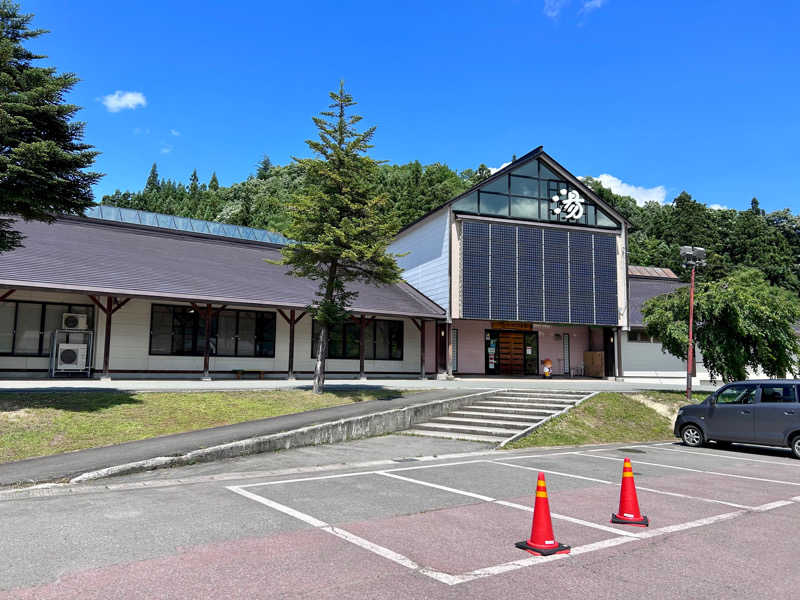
(475, 256)
(503, 273)
(545, 275)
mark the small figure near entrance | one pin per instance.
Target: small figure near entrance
(547, 368)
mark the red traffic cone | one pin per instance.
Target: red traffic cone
(542, 542)
(628, 502)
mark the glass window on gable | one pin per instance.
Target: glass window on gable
(494, 204)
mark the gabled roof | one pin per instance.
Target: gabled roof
(112, 258)
(536, 153)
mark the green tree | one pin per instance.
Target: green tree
(153, 183)
(344, 228)
(264, 168)
(741, 322)
(213, 183)
(43, 160)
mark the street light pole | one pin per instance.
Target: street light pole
(692, 256)
(690, 362)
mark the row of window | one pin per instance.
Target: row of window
(527, 193)
(181, 331)
(26, 328)
(640, 335)
(383, 340)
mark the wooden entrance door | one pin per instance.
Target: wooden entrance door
(512, 353)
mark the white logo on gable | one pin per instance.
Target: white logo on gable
(570, 203)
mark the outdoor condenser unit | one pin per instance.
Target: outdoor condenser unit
(73, 321)
(71, 357)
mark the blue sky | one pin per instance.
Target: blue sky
(662, 96)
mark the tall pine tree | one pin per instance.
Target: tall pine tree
(43, 161)
(344, 227)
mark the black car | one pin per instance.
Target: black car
(763, 412)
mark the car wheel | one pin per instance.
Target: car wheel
(796, 446)
(692, 436)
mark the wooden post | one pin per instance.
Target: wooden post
(421, 326)
(361, 347)
(292, 320)
(108, 310)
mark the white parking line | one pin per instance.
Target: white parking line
(638, 487)
(792, 463)
(450, 579)
(652, 464)
(508, 504)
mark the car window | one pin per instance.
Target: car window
(737, 394)
(777, 393)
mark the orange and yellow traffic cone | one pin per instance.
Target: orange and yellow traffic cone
(628, 502)
(542, 541)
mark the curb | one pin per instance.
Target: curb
(342, 430)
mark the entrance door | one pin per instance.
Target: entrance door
(531, 353)
(609, 352)
(511, 353)
(492, 365)
(441, 347)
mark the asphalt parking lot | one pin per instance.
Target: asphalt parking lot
(723, 525)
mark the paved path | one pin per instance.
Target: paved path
(432, 528)
(172, 385)
(61, 466)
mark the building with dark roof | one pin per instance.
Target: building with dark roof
(524, 273)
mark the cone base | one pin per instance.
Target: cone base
(620, 520)
(559, 549)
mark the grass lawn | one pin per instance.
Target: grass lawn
(38, 424)
(609, 417)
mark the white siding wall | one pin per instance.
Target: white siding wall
(426, 266)
(130, 341)
(645, 361)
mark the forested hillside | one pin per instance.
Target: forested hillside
(748, 238)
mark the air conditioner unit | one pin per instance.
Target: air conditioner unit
(74, 321)
(71, 357)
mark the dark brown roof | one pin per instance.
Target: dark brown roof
(656, 272)
(92, 256)
(641, 289)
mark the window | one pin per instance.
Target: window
(383, 340)
(737, 394)
(640, 335)
(454, 333)
(26, 328)
(778, 393)
(181, 331)
(526, 193)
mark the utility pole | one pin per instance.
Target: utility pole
(691, 256)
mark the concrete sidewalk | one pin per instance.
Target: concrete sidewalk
(459, 384)
(70, 464)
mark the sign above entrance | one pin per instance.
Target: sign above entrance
(570, 203)
(512, 325)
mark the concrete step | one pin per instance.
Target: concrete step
(512, 410)
(481, 422)
(456, 436)
(547, 408)
(535, 399)
(471, 429)
(543, 394)
(501, 416)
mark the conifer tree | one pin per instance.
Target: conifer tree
(344, 228)
(43, 159)
(213, 183)
(194, 184)
(153, 183)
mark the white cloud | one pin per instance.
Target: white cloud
(717, 207)
(552, 8)
(166, 149)
(120, 100)
(175, 132)
(590, 5)
(637, 192)
(494, 170)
